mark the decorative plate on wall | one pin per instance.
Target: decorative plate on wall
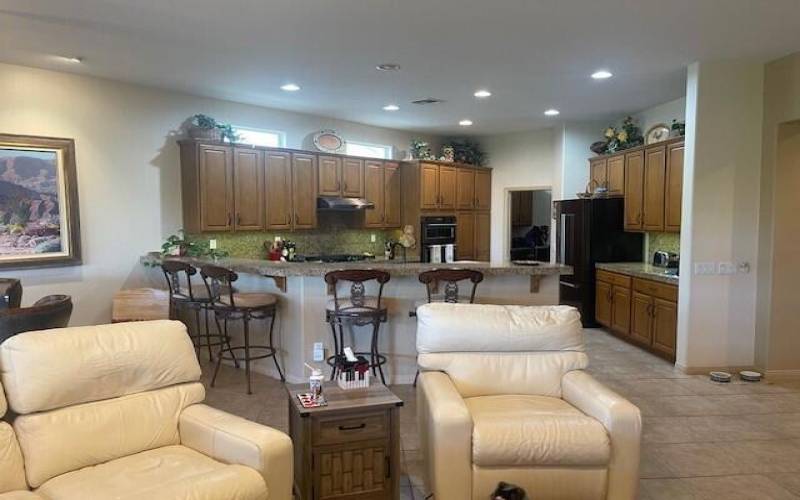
(657, 133)
(328, 141)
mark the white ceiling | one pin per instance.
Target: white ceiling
(532, 54)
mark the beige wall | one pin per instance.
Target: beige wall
(523, 160)
(777, 321)
(128, 171)
(716, 326)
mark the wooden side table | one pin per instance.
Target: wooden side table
(349, 449)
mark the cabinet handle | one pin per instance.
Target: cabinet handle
(295, 219)
(639, 218)
(229, 218)
(238, 219)
(288, 219)
(650, 310)
(345, 186)
(352, 427)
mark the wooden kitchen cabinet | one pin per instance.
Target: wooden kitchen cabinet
(216, 188)
(374, 192)
(482, 236)
(465, 235)
(382, 187)
(329, 175)
(353, 178)
(483, 189)
(429, 186)
(634, 183)
(655, 162)
(393, 195)
(598, 172)
(639, 310)
(673, 190)
(304, 191)
(248, 182)
(465, 188)
(615, 175)
(447, 187)
(278, 190)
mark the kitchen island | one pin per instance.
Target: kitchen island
(303, 296)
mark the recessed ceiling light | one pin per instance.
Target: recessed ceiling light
(290, 87)
(72, 59)
(391, 107)
(388, 67)
(482, 93)
(552, 112)
(602, 74)
(465, 123)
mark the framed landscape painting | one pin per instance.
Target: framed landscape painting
(39, 224)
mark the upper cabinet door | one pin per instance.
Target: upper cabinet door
(278, 191)
(304, 190)
(465, 187)
(375, 192)
(248, 181)
(483, 189)
(598, 170)
(615, 175)
(674, 188)
(392, 194)
(330, 174)
(634, 185)
(447, 187)
(353, 178)
(216, 188)
(429, 186)
(655, 161)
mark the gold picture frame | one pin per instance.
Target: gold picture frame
(39, 214)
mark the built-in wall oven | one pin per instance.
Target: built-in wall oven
(438, 238)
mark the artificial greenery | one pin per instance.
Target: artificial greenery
(208, 123)
(420, 150)
(628, 136)
(188, 248)
(468, 151)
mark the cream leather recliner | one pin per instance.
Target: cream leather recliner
(503, 397)
(114, 411)
(12, 472)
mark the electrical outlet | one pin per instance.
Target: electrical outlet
(319, 351)
(705, 268)
(726, 268)
(212, 244)
(373, 238)
(743, 267)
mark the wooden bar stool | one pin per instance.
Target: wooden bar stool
(189, 298)
(450, 278)
(359, 309)
(229, 306)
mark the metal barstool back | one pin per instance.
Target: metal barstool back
(230, 305)
(358, 308)
(450, 277)
(184, 295)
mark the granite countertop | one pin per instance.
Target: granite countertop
(395, 267)
(640, 270)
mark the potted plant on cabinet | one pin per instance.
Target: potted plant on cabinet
(205, 127)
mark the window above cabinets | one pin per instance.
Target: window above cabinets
(260, 137)
(381, 151)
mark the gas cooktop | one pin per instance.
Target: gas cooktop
(342, 257)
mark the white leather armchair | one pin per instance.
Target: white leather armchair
(503, 397)
(114, 411)
(12, 472)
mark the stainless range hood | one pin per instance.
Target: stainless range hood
(343, 204)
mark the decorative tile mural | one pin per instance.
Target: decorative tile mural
(337, 233)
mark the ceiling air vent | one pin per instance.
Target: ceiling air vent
(428, 100)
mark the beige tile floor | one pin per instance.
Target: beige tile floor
(700, 440)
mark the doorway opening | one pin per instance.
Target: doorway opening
(530, 224)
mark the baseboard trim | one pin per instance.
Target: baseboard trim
(705, 370)
(783, 374)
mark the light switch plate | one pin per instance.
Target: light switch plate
(705, 268)
(726, 268)
(212, 244)
(373, 238)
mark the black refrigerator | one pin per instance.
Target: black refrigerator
(590, 231)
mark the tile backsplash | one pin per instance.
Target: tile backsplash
(336, 233)
(654, 242)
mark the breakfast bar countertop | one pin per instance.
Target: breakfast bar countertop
(640, 270)
(395, 267)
